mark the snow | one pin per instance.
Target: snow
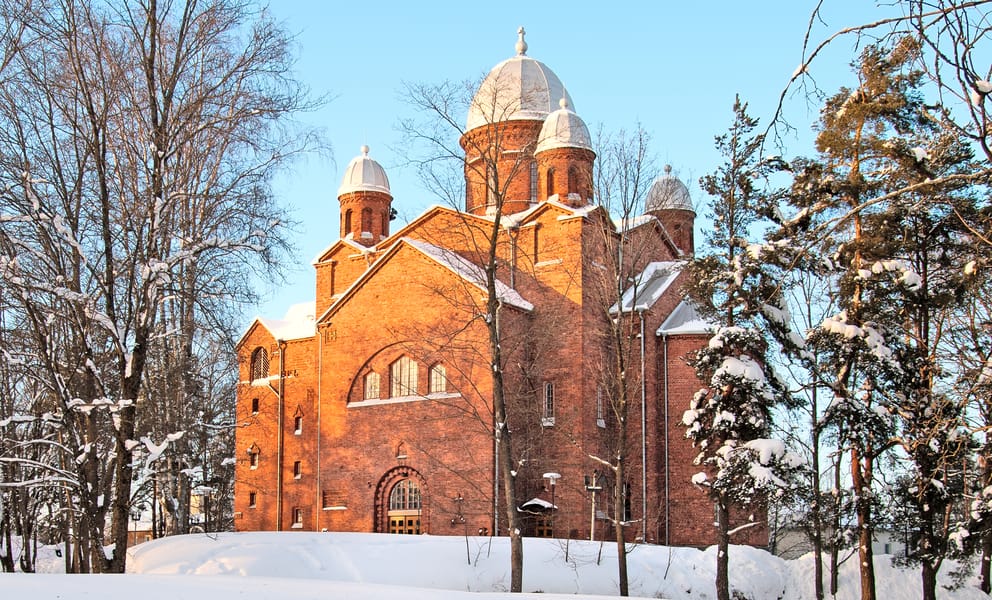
(469, 271)
(299, 322)
(316, 566)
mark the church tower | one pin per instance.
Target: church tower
(565, 158)
(365, 200)
(503, 130)
(669, 201)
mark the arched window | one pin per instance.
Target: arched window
(491, 186)
(347, 222)
(371, 386)
(533, 181)
(438, 379)
(259, 364)
(366, 220)
(550, 182)
(548, 412)
(403, 377)
(573, 180)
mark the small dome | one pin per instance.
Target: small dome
(519, 88)
(563, 129)
(364, 174)
(668, 192)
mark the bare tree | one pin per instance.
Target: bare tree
(139, 142)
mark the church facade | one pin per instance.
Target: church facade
(370, 409)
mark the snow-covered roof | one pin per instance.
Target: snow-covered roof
(668, 192)
(519, 88)
(364, 174)
(684, 320)
(469, 271)
(298, 323)
(537, 503)
(348, 241)
(648, 286)
(563, 129)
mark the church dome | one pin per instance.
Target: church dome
(563, 129)
(364, 175)
(668, 192)
(519, 88)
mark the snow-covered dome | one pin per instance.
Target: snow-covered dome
(563, 129)
(519, 88)
(668, 192)
(364, 174)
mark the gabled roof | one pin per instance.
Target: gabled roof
(685, 320)
(648, 287)
(641, 221)
(468, 271)
(299, 323)
(321, 256)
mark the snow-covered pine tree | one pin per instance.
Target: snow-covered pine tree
(868, 206)
(730, 420)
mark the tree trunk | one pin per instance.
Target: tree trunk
(929, 581)
(723, 547)
(619, 511)
(861, 476)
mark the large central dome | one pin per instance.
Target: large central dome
(519, 88)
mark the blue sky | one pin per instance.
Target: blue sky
(672, 67)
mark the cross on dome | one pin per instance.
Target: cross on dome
(521, 44)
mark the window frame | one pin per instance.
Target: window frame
(437, 379)
(372, 391)
(548, 404)
(403, 377)
(252, 499)
(298, 425)
(298, 469)
(259, 364)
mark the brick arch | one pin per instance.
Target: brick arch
(357, 380)
(385, 486)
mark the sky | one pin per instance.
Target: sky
(376, 566)
(673, 68)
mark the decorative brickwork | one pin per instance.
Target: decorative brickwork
(374, 412)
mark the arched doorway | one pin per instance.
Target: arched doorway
(400, 502)
(404, 507)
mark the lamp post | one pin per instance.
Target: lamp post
(552, 480)
(592, 487)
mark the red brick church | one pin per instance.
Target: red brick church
(370, 408)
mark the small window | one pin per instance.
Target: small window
(254, 406)
(253, 460)
(533, 181)
(347, 221)
(298, 469)
(573, 180)
(548, 414)
(252, 499)
(600, 419)
(259, 364)
(550, 182)
(366, 220)
(403, 377)
(372, 386)
(297, 518)
(298, 425)
(438, 380)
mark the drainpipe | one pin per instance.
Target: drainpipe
(644, 442)
(320, 364)
(279, 449)
(664, 344)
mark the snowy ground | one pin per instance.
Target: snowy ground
(305, 566)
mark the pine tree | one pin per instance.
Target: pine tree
(730, 421)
